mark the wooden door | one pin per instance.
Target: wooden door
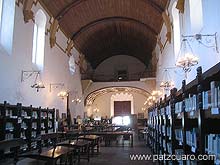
(122, 108)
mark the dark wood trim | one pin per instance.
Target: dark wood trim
(109, 19)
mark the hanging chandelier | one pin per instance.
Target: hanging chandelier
(166, 83)
(186, 59)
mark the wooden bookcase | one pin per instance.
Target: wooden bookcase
(181, 116)
(28, 123)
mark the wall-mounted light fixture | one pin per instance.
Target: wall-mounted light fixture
(186, 57)
(63, 94)
(207, 40)
(96, 110)
(37, 82)
(76, 98)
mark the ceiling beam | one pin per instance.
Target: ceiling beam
(109, 19)
(75, 3)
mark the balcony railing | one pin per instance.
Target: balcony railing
(113, 78)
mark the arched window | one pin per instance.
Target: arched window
(196, 15)
(7, 14)
(176, 29)
(39, 39)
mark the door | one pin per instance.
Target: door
(122, 108)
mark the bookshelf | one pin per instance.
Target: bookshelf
(27, 123)
(186, 122)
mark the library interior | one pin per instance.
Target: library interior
(96, 82)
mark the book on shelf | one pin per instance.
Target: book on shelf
(164, 144)
(191, 162)
(206, 99)
(169, 132)
(191, 139)
(168, 110)
(213, 145)
(214, 86)
(178, 154)
(190, 103)
(169, 148)
(178, 107)
(9, 136)
(179, 135)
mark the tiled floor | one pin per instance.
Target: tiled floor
(114, 155)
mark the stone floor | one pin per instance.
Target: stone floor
(117, 154)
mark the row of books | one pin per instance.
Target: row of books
(24, 125)
(8, 112)
(34, 115)
(9, 136)
(211, 98)
(9, 126)
(213, 145)
(178, 107)
(179, 135)
(43, 115)
(190, 103)
(163, 111)
(179, 153)
(23, 136)
(191, 139)
(215, 94)
(34, 125)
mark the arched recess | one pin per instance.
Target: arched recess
(89, 99)
(122, 97)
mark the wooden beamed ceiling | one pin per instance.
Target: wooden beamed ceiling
(104, 28)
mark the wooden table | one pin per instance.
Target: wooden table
(94, 141)
(82, 146)
(15, 144)
(108, 136)
(51, 156)
(113, 135)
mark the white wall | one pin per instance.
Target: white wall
(207, 56)
(111, 65)
(55, 70)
